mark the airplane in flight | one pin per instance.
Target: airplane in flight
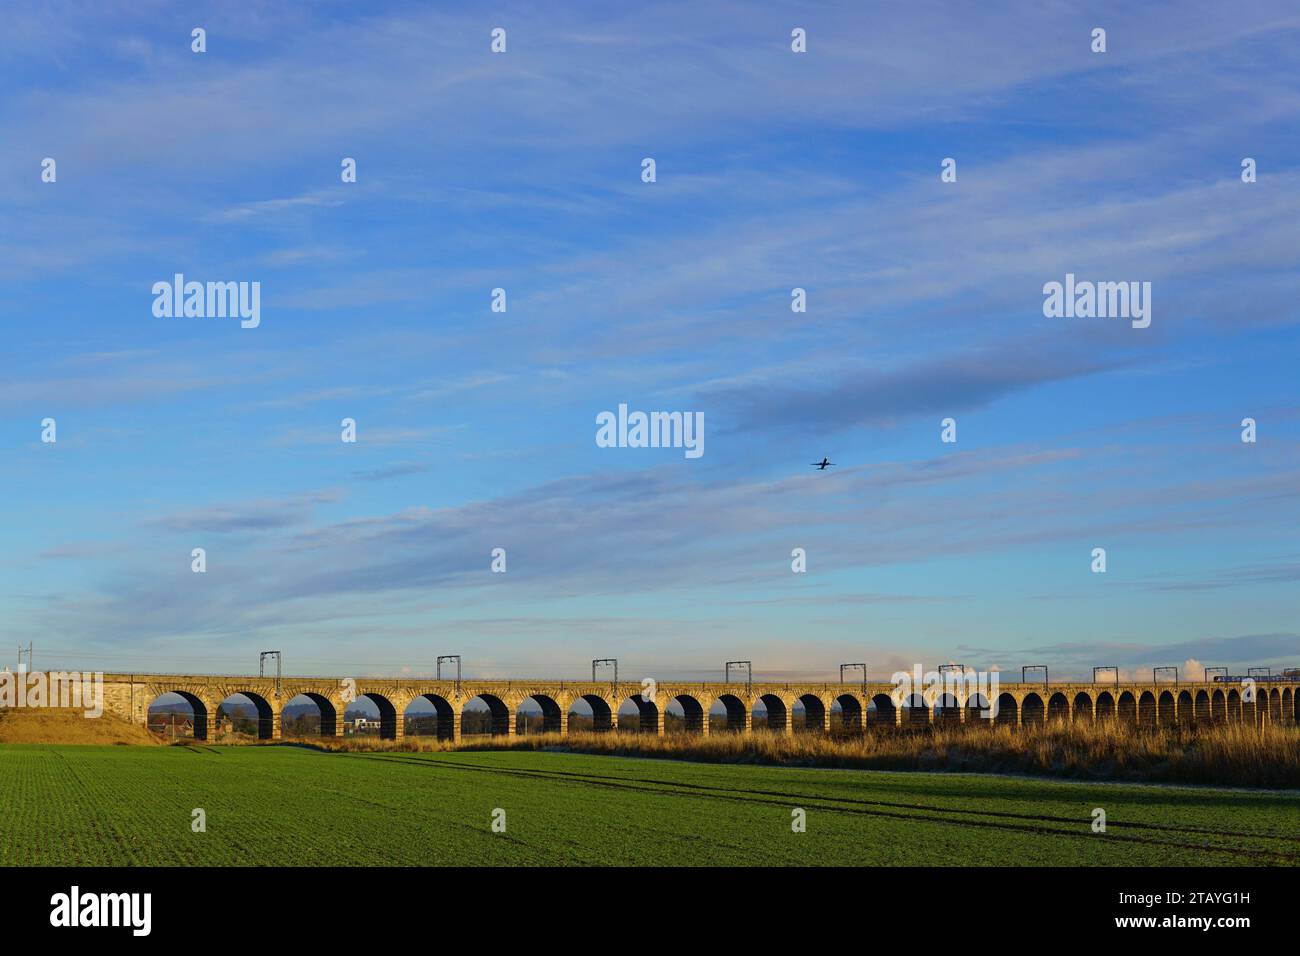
(821, 465)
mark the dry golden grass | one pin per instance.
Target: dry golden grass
(60, 725)
(1228, 755)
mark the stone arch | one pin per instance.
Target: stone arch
(1058, 707)
(602, 714)
(1166, 712)
(499, 714)
(1249, 714)
(1288, 705)
(443, 723)
(1031, 710)
(552, 721)
(947, 709)
(694, 716)
(1201, 707)
(1218, 707)
(778, 713)
(976, 706)
(734, 718)
(1082, 708)
(1234, 711)
(387, 714)
(197, 706)
(916, 711)
(814, 713)
(1183, 712)
(1275, 705)
(646, 716)
(266, 715)
(1127, 708)
(1008, 710)
(882, 712)
(853, 716)
(329, 715)
(1147, 708)
(1105, 706)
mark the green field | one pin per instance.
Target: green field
(291, 806)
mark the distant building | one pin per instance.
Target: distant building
(176, 725)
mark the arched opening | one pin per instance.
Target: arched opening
(947, 711)
(638, 715)
(1218, 707)
(1105, 706)
(485, 716)
(1127, 709)
(881, 712)
(1058, 708)
(1184, 710)
(1165, 708)
(308, 715)
(1234, 706)
(771, 711)
(1147, 708)
(1288, 705)
(850, 713)
(538, 714)
(370, 715)
(591, 714)
(1249, 714)
(916, 712)
(1082, 708)
(1275, 705)
(247, 715)
(727, 713)
(1165, 713)
(1008, 711)
(430, 715)
(1201, 709)
(684, 714)
(977, 711)
(1031, 710)
(810, 715)
(178, 715)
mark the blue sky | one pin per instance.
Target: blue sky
(477, 429)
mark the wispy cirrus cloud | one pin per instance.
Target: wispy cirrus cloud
(253, 516)
(867, 397)
(396, 470)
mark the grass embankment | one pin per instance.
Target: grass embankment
(63, 725)
(1232, 755)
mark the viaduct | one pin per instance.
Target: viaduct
(827, 707)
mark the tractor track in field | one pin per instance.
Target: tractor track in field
(923, 813)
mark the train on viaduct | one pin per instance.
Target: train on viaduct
(826, 707)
